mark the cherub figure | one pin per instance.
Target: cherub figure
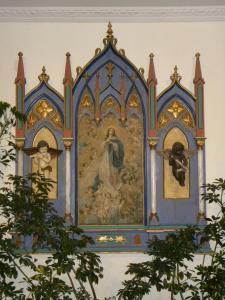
(178, 160)
(42, 155)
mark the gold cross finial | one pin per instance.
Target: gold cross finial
(43, 77)
(175, 77)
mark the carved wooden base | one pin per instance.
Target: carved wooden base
(154, 219)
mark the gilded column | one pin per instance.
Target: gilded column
(152, 138)
(68, 134)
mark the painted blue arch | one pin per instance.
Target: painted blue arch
(178, 211)
(43, 91)
(109, 54)
(110, 91)
(176, 92)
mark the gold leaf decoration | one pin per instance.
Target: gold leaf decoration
(111, 104)
(86, 102)
(188, 121)
(44, 108)
(175, 109)
(57, 120)
(163, 120)
(109, 238)
(133, 101)
(31, 120)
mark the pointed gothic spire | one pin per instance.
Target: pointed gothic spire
(151, 73)
(20, 78)
(68, 74)
(198, 73)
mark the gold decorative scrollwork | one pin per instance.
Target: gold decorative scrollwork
(97, 51)
(141, 71)
(176, 108)
(44, 108)
(110, 104)
(163, 120)
(176, 111)
(122, 52)
(31, 120)
(133, 101)
(57, 120)
(86, 102)
(108, 238)
(188, 121)
(79, 70)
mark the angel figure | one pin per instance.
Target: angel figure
(178, 160)
(42, 155)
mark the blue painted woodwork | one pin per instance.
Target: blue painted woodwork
(173, 214)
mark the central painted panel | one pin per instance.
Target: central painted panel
(110, 171)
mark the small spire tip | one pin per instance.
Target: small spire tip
(151, 55)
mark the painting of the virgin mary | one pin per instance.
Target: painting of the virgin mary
(111, 163)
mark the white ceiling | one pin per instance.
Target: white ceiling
(104, 3)
(114, 10)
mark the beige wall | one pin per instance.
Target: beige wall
(172, 44)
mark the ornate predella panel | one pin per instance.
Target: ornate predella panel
(176, 165)
(110, 171)
(44, 158)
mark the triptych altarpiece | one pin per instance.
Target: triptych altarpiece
(126, 162)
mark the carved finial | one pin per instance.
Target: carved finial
(20, 78)
(110, 37)
(68, 74)
(198, 72)
(175, 77)
(151, 72)
(109, 31)
(43, 77)
(151, 55)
